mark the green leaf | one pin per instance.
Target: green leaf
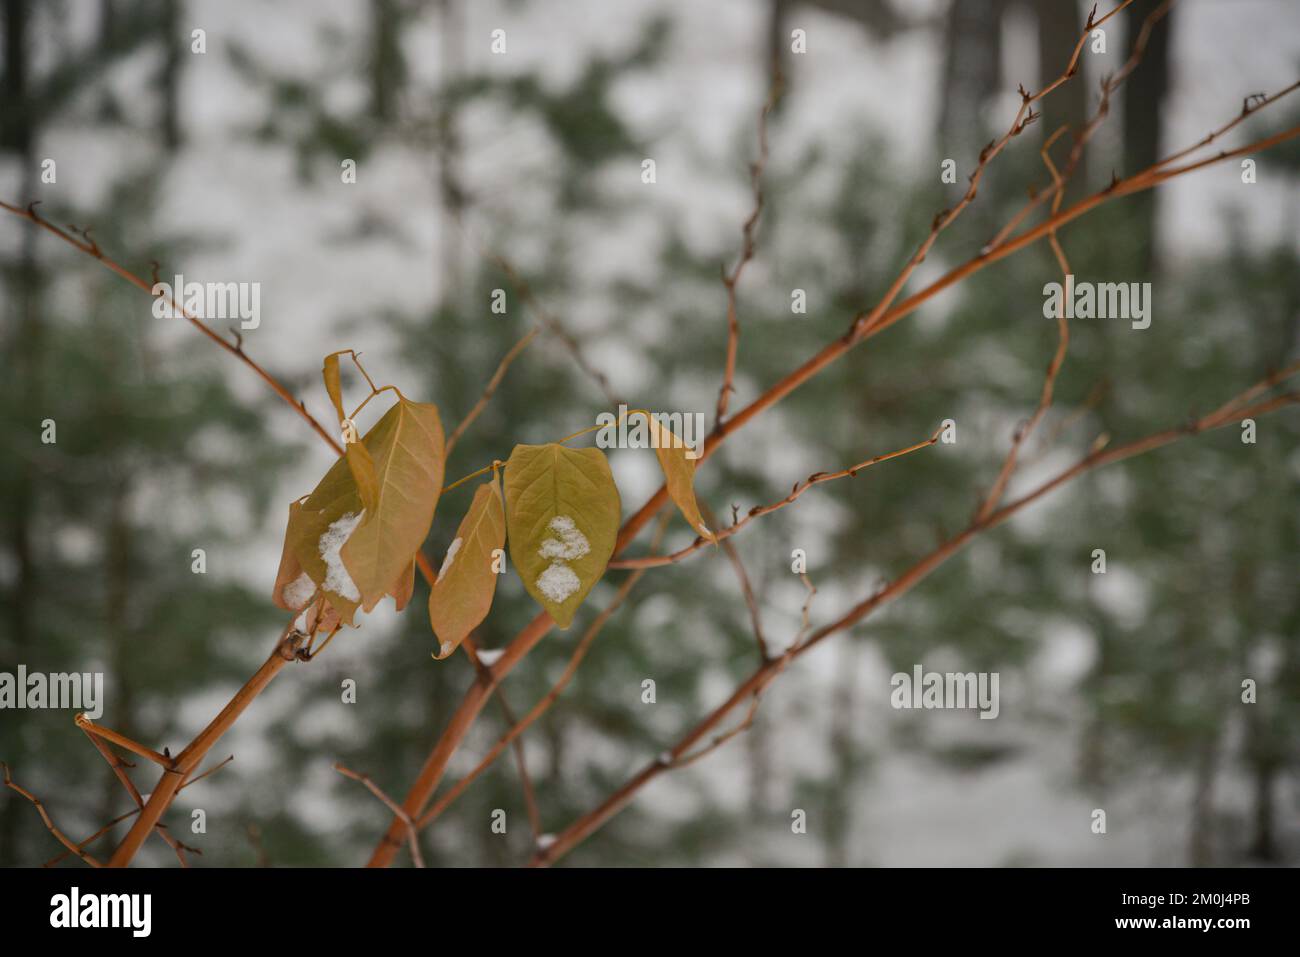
(462, 596)
(679, 474)
(562, 515)
(407, 448)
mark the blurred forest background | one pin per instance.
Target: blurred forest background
(1119, 691)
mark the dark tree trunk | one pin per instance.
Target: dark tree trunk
(170, 74)
(759, 753)
(15, 119)
(386, 67)
(1263, 841)
(1144, 94)
(971, 74)
(778, 43)
(107, 25)
(448, 148)
(18, 122)
(1059, 26)
(1200, 851)
(838, 824)
(118, 563)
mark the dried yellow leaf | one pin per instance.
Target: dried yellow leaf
(467, 581)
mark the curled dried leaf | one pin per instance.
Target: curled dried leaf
(362, 467)
(404, 587)
(678, 464)
(462, 596)
(333, 385)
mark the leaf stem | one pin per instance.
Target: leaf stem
(497, 463)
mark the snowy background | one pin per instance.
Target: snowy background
(336, 262)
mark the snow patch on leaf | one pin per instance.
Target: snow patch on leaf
(451, 555)
(299, 591)
(337, 578)
(558, 582)
(570, 545)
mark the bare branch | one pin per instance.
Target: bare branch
(521, 764)
(1232, 411)
(132, 813)
(747, 589)
(542, 706)
(49, 824)
(119, 771)
(237, 350)
(552, 325)
(489, 390)
(864, 323)
(108, 734)
(392, 805)
(730, 280)
(758, 511)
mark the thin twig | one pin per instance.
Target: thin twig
(746, 588)
(671, 763)
(758, 511)
(118, 768)
(119, 771)
(1109, 85)
(864, 322)
(805, 614)
(108, 734)
(674, 759)
(730, 280)
(489, 390)
(392, 805)
(994, 497)
(236, 349)
(551, 324)
(133, 812)
(49, 824)
(521, 764)
(259, 849)
(58, 858)
(212, 770)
